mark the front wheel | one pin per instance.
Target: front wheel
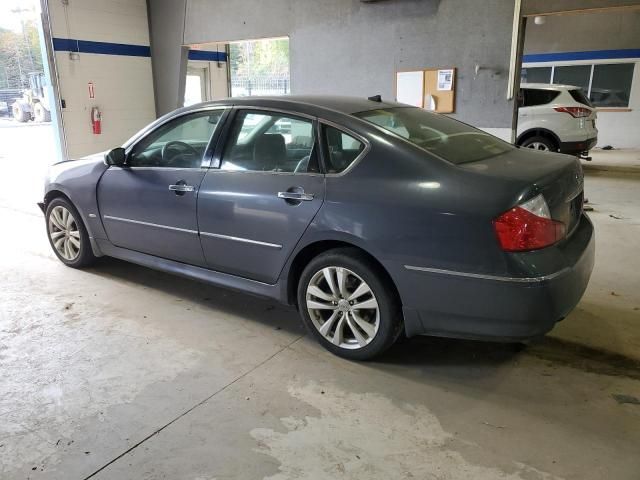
(67, 234)
(348, 304)
(41, 114)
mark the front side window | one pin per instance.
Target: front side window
(180, 143)
(270, 142)
(342, 149)
(449, 139)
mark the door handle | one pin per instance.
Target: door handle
(296, 196)
(182, 188)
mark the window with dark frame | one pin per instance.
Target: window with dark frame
(606, 85)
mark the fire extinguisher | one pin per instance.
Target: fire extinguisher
(96, 120)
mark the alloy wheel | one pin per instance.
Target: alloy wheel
(342, 307)
(538, 146)
(64, 233)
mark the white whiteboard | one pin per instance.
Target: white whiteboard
(410, 88)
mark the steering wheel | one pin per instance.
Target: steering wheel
(181, 148)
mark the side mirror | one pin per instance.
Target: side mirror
(115, 157)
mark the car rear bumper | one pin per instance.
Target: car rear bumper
(576, 148)
(476, 306)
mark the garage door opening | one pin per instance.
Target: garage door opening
(259, 67)
(29, 139)
(237, 69)
(594, 50)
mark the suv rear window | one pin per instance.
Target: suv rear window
(579, 96)
(449, 139)
(532, 97)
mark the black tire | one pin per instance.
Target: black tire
(85, 256)
(19, 113)
(41, 114)
(389, 319)
(539, 141)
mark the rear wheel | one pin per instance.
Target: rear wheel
(41, 114)
(67, 234)
(540, 143)
(19, 113)
(348, 305)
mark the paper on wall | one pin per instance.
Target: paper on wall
(445, 79)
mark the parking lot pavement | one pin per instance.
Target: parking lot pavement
(26, 150)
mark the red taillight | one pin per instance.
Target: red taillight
(575, 112)
(528, 227)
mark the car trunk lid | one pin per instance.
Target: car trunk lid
(558, 177)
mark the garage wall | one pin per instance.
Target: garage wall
(354, 48)
(594, 38)
(105, 42)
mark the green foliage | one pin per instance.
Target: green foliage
(260, 58)
(20, 54)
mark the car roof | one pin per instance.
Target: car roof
(549, 86)
(308, 103)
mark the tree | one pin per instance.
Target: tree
(20, 54)
(260, 58)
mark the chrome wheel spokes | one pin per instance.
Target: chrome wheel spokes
(64, 233)
(343, 307)
(538, 146)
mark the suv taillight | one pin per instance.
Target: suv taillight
(528, 226)
(575, 112)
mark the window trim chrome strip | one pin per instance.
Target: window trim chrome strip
(243, 240)
(481, 276)
(149, 224)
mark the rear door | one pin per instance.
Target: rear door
(261, 194)
(149, 205)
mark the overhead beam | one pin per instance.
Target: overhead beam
(532, 8)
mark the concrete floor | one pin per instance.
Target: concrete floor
(119, 372)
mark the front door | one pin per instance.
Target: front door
(149, 205)
(254, 207)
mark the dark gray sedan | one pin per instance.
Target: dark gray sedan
(374, 218)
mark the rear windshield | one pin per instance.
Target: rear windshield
(449, 139)
(580, 97)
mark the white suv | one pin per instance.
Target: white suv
(558, 118)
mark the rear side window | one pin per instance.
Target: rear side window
(580, 97)
(342, 149)
(532, 97)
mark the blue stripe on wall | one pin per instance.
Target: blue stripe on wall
(207, 56)
(588, 55)
(103, 48)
